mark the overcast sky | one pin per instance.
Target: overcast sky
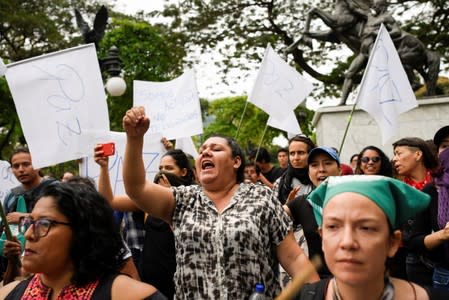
(209, 83)
(132, 6)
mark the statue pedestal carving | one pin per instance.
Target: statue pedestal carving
(423, 121)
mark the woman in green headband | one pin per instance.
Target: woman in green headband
(359, 218)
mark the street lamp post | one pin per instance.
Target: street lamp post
(111, 64)
(115, 85)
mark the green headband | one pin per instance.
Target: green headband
(397, 200)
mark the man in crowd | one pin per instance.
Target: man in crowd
(269, 173)
(21, 199)
(283, 158)
(252, 173)
(31, 183)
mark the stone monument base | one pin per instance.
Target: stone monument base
(423, 121)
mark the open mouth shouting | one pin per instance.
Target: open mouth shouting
(207, 164)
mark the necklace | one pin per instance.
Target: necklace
(387, 293)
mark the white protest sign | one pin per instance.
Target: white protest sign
(289, 123)
(152, 152)
(186, 144)
(61, 102)
(7, 179)
(172, 106)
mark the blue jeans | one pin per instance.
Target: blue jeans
(440, 278)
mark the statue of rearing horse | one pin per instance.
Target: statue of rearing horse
(345, 23)
(348, 24)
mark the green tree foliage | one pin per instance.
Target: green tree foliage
(31, 28)
(146, 53)
(224, 115)
(240, 30)
(28, 29)
(430, 22)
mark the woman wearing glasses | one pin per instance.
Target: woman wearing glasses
(74, 249)
(373, 161)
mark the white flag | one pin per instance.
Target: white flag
(385, 91)
(279, 88)
(289, 123)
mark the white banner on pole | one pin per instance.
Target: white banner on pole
(278, 87)
(61, 102)
(172, 106)
(385, 91)
(289, 123)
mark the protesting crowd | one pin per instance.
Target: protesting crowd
(223, 223)
(218, 225)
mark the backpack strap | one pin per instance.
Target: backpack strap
(10, 202)
(314, 291)
(19, 289)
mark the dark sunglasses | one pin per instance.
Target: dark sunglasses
(366, 159)
(41, 227)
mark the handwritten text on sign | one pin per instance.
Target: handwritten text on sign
(172, 106)
(60, 100)
(152, 152)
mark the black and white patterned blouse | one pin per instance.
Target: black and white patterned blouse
(223, 255)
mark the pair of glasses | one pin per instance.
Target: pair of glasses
(41, 227)
(366, 159)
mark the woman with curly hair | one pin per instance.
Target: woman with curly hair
(373, 161)
(74, 248)
(157, 263)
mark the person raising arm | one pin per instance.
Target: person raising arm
(228, 234)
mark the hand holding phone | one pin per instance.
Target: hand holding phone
(108, 149)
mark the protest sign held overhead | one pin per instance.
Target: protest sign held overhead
(61, 102)
(172, 106)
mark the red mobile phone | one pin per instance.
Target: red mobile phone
(108, 149)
